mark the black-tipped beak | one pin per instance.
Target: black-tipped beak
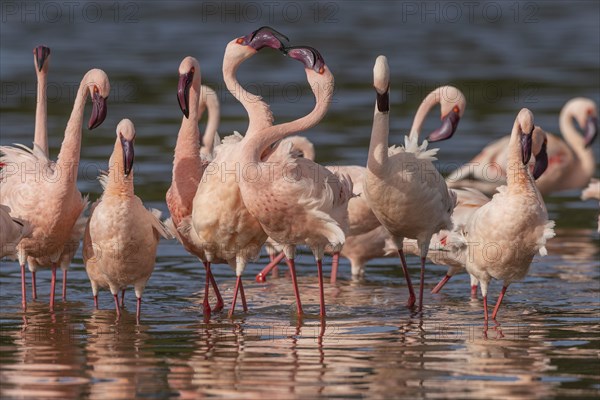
(449, 125)
(265, 37)
(183, 92)
(541, 162)
(128, 154)
(526, 147)
(591, 130)
(41, 55)
(99, 110)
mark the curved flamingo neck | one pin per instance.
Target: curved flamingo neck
(188, 138)
(212, 123)
(256, 144)
(378, 145)
(576, 142)
(118, 184)
(41, 114)
(426, 105)
(259, 113)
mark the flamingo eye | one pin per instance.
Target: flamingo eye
(240, 40)
(96, 90)
(456, 109)
(193, 69)
(590, 111)
(321, 70)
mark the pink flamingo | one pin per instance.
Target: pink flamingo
(571, 162)
(515, 222)
(401, 181)
(49, 199)
(297, 189)
(121, 235)
(220, 223)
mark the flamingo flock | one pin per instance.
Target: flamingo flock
(230, 197)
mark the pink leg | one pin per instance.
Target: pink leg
(123, 298)
(138, 310)
(64, 286)
(116, 296)
(244, 304)
(411, 297)
(52, 286)
(473, 291)
(334, 266)
(262, 275)
(220, 303)
(206, 304)
(485, 310)
(422, 283)
(292, 267)
(321, 294)
(441, 284)
(499, 302)
(33, 286)
(23, 289)
(96, 302)
(235, 292)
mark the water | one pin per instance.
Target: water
(503, 55)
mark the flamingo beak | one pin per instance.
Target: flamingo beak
(266, 37)
(41, 55)
(183, 92)
(541, 162)
(591, 130)
(128, 154)
(526, 147)
(99, 110)
(449, 125)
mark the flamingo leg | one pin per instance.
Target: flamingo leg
(52, 286)
(422, 283)
(220, 303)
(235, 293)
(96, 302)
(499, 302)
(262, 275)
(116, 297)
(33, 286)
(441, 284)
(321, 294)
(411, 297)
(334, 266)
(138, 310)
(206, 304)
(64, 285)
(473, 291)
(292, 267)
(123, 298)
(485, 309)
(244, 304)
(23, 289)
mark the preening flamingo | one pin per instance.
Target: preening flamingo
(13, 230)
(571, 162)
(220, 223)
(296, 200)
(49, 199)
(503, 235)
(403, 188)
(592, 191)
(121, 235)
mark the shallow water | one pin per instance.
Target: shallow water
(536, 55)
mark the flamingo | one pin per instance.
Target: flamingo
(49, 199)
(503, 235)
(190, 160)
(220, 224)
(571, 162)
(592, 191)
(403, 188)
(13, 230)
(121, 235)
(41, 61)
(289, 188)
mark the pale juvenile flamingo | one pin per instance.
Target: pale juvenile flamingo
(49, 199)
(571, 162)
(503, 235)
(13, 230)
(403, 188)
(220, 224)
(296, 200)
(592, 191)
(188, 165)
(121, 235)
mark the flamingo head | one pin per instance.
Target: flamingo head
(126, 135)
(189, 73)
(585, 113)
(452, 104)
(539, 146)
(41, 54)
(318, 74)
(245, 47)
(381, 82)
(99, 87)
(525, 125)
